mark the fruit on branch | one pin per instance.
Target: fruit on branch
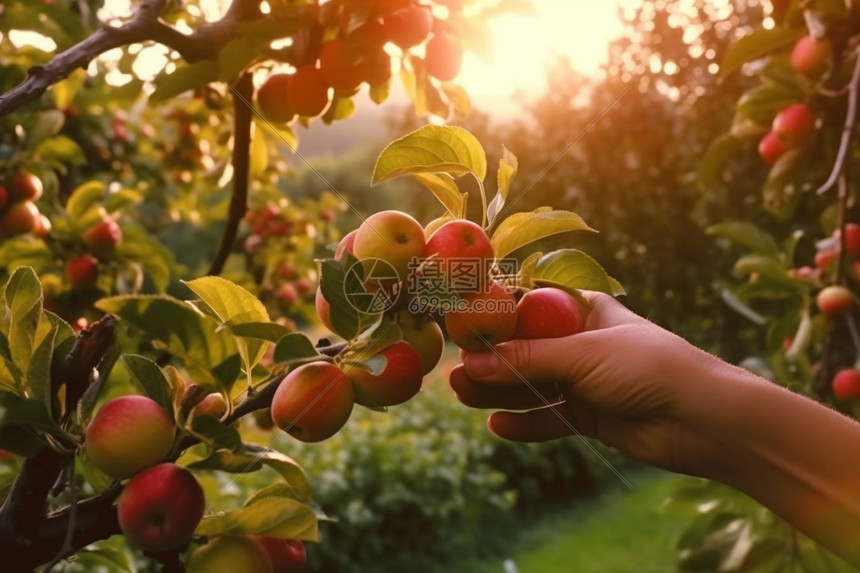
(852, 239)
(160, 507)
(42, 229)
(399, 381)
(213, 405)
(346, 245)
(409, 27)
(272, 98)
(26, 187)
(128, 434)
(323, 309)
(461, 242)
(339, 69)
(20, 217)
(82, 271)
(794, 124)
(230, 554)
(810, 55)
(391, 236)
(771, 148)
(304, 286)
(313, 402)
(288, 295)
(444, 56)
(286, 555)
(308, 92)
(825, 260)
(835, 300)
(548, 313)
(425, 336)
(105, 234)
(846, 384)
(483, 319)
(378, 68)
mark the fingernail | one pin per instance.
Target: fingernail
(481, 364)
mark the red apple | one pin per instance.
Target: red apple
(390, 236)
(4, 196)
(27, 187)
(103, 235)
(230, 554)
(425, 336)
(272, 98)
(409, 27)
(852, 239)
(835, 300)
(483, 319)
(82, 271)
(340, 69)
(462, 252)
(398, 382)
(42, 228)
(213, 405)
(794, 124)
(288, 295)
(286, 555)
(20, 217)
(346, 245)
(308, 93)
(824, 260)
(303, 286)
(323, 309)
(127, 435)
(160, 508)
(444, 56)
(810, 55)
(548, 313)
(771, 148)
(846, 384)
(313, 402)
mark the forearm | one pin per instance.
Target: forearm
(797, 457)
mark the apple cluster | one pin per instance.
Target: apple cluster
(314, 401)
(82, 271)
(18, 211)
(340, 65)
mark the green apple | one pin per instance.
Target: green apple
(230, 554)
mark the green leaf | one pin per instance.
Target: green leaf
(757, 45)
(745, 234)
(575, 270)
(741, 308)
(273, 516)
(22, 305)
(764, 101)
(432, 149)
(39, 370)
(269, 331)
(287, 467)
(84, 197)
(508, 166)
(148, 377)
(445, 189)
(61, 149)
(237, 55)
(458, 98)
(713, 164)
(520, 229)
(294, 347)
(48, 124)
(198, 74)
(768, 266)
(25, 251)
(340, 108)
(342, 285)
(215, 434)
(259, 154)
(154, 257)
(380, 92)
(780, 193)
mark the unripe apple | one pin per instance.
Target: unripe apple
(82, 271)
(230, 554)
(105, 234)
(160, 507)
(346, 245)
(444, 56)
(846, 384)
(425, 336)
(272, 98)
(794, 124)
(483, 319)
(338, 69)
(409, 27)
(834, 300)
(824, 260)
(323, 309)
(771, 148)
(548, 313)
(392, 236)
(809, 55)
(313, 402)
(398, 382)
(308, 92)
(128, 434)
(286, 555)
(20, 217)
(465, 243)
(27, 187)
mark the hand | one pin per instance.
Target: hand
(623, 380)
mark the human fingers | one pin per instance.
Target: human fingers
(524, 397)
(538, 425)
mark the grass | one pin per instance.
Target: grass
(616, 532)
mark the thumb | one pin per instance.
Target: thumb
(535, 361)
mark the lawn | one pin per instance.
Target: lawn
(618, 531)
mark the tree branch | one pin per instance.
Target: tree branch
(847, 130)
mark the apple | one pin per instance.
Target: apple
(286, 555)
(288, 295)
(444, 56)
(323, 309)
(128, 434)
(399, 381)
(82, 271)
(835, 300)
(105, 234)
(392, 236)
(771, 148)
(4, 196)
(308, 92)
(852, 239)
(27, 187)
(482, 319)
(286, 271)
(339, 69)
(213, 405)
(810, 55)
(425, 336)
(346, 245)
(252, 243)
(303, 285)
(461, 241)
(409, 27)
(230, 554)
(20, 217)
(42, 229)
(313, 402)
(548, 313)
(794, 123)
(160, 507)
(824, 260)
(272, 98)
(846, 384)
(378, 68)
(263, 419)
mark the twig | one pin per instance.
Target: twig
(847, 130)
(67, 548)
(241, 165)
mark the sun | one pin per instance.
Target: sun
(524, 45)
